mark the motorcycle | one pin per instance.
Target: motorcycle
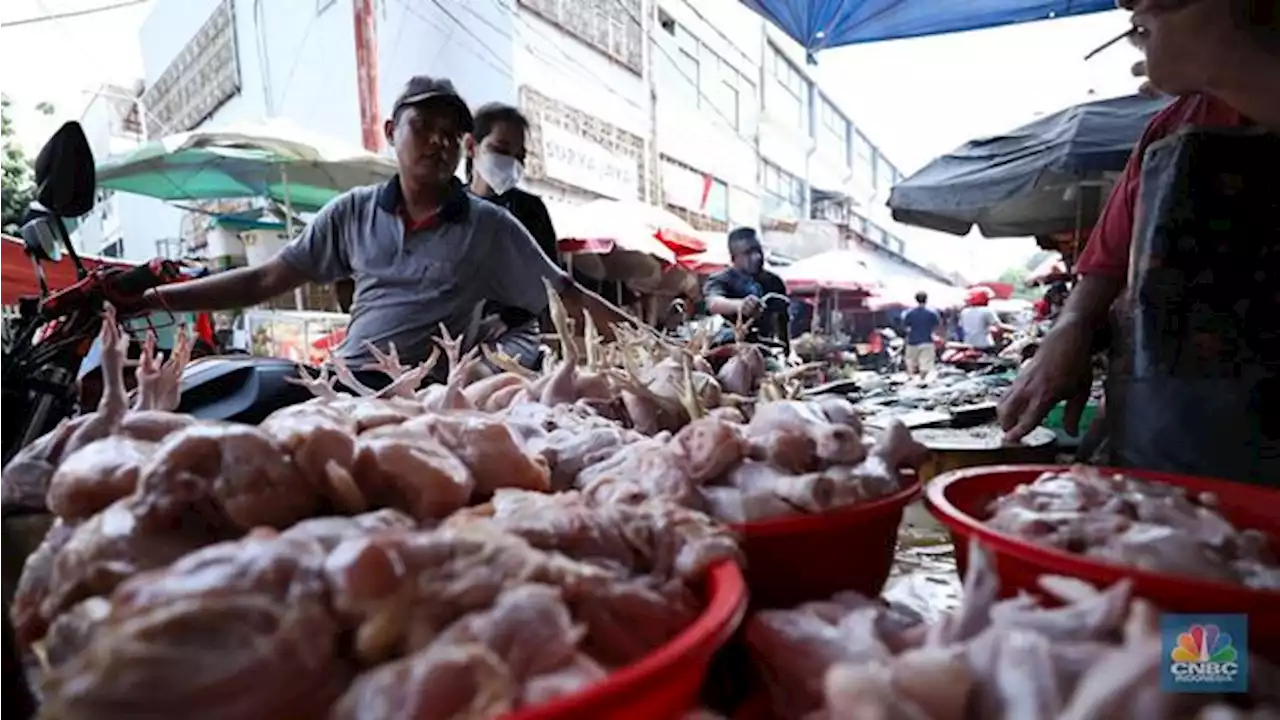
(48, 341)
(895, 351)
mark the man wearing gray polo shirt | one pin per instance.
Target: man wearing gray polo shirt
(420, 249)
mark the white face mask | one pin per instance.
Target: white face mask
(502, 172)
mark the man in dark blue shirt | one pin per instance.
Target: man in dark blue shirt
(738, 291)
(922, 324)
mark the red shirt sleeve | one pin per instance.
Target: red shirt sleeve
(1107, 252)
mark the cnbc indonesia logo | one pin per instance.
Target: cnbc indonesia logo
(1204, 654)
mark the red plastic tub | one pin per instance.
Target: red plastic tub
(666, 683)
(959, 500)
(794, 560)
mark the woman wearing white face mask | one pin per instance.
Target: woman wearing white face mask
(495, 166)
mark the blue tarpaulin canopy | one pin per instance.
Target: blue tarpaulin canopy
(823, 24)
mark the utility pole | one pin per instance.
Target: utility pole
(366, 27)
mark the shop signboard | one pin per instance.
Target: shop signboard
(577, 161)
(201, 77)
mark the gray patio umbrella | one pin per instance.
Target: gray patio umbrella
(1043, 178)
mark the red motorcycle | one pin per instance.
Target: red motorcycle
(49, 338)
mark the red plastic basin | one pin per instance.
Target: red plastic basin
(959, 500)
(794, 560)
(666, 683)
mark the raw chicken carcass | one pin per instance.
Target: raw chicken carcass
(321, 440)
(400, 590)
(111, 547)
(237, 630)
(492, 452)
(330, 531)
(655, 538)
(1139, 523)
(404, 468)
(1096, 657)
(29, 619)
(450, 683)
(230, 475)
(797, 436)
(96, 475)
(656, 550)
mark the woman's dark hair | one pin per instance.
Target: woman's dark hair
(489, 116)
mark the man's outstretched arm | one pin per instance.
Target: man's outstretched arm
(243, 287)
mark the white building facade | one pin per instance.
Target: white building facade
(697, 105)
(123, 225)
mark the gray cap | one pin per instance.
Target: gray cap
(423, 90)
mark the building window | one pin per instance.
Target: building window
(610, 26)
(718, 200)
(694, 190)
(859, 225)
(886, 174)
(704, 79)
(793, 86)
(782, 192)
(833, 133)
(864, 168)
(113, 249)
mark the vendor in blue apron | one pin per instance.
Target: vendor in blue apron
(1192, 386)
(740, 290)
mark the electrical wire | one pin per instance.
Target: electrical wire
(567, 64)
(297, 59)
(264, 60)
(505, 68)
(71, 14)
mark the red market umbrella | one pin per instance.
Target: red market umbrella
(712, 260)
(832, 270)
(903, 295)
(601, 226)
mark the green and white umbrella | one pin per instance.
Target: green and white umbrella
(275, 159)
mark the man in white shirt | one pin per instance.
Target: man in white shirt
(977, 321)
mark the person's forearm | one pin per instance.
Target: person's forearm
(1090, 301)
(230, 290)
(724, 307)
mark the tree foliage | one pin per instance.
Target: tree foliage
(1017, 277)
(16, 190)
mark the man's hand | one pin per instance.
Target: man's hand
(1061, 370)
(749, 307)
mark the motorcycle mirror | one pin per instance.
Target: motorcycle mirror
(64, 173)
(40, 235)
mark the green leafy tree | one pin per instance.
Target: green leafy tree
(1017, 277)
(16, 188)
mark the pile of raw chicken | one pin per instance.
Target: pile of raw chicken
(463, 551)
(1143, 524)
(1097, 656)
